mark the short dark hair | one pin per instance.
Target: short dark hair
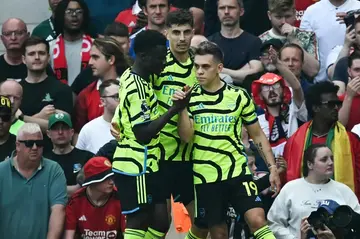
(60, 16)
(354, 56)
(144, 3)
(279, 6)
(32, 41)
(210, 48)
(309, 156)
(180, 17)
(110, 47)
(106, 84)
(147, 40)
(295, 46)
(314, 93)
(240, 3)
(117, 29)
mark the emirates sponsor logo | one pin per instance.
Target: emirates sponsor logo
(88, 234)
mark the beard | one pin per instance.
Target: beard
(272, 103)
(270, 67)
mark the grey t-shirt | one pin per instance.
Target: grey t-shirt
(73, 58)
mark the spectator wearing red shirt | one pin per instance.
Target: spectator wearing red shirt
(107, 62)
(94, 211)
(349, 114)
(129, 16)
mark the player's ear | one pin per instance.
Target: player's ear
(220, 67)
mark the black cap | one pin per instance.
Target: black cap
(276, 43)
(5, 105)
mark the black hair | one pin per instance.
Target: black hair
(110, 47)
(210, 48)
(32, 41)
(117, 29)
(147, 40)
(239, 2)
(59, 19)
(106, 84)
(143, 3)
(309, 156)
(180, 17)
(295, 46)
(354, 56)
(314, 93)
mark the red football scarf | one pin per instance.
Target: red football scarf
(60, 64)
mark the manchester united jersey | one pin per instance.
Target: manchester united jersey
(92, 222)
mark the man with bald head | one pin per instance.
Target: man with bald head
(13, 90)
(13, 34)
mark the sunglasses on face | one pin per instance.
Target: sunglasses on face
(332, 103)
(268, 87)
(5, 118)
(30, 143)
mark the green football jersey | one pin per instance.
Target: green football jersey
(217, 150)
(174, 77)
(138, 105)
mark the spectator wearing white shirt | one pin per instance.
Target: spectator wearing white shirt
(96, 133)
(300, 197)
(321, 18)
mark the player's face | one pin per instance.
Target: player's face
(278, 19)
(124, 43)
(292, 58)
(207, 69)
(36, 57)
(156, 59)
(74, 17)
(157, 11)
(98, 63)
(354, 70)
(60, 134)
(272, 94)
(180, 37)
(229, 12)
(110, 99)
(323, 165)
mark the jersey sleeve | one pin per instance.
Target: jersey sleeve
(248, 113)
(136, 103)
(71, 219)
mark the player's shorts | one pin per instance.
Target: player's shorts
(178, 180)
(139, 192)
(212, 199)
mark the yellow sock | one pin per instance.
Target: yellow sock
(134, 234)
(191, 235)
(264, 233)
(153, 234)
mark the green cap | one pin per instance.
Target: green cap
(59, 117)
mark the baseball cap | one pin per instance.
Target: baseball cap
(96, 170)
(5, 105)
(59, 117)
(269, 79)
(328, 205)
(276, 43)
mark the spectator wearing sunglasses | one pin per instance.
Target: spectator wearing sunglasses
(7, 140)
(33, 190)
(323, 105)
(96, 133)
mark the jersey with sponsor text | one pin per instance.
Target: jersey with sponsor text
(217, 150)
(92, 222)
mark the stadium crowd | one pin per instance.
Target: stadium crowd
(223, 118)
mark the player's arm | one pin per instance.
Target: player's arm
(185, 123)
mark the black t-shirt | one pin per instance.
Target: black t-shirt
(16, 72)
(71, 163)
(108, 150)
(186, 4)
(82, 80)
(7, 148)
(340, 71)
(50, 91)
(238, 51)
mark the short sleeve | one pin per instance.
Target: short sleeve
(248, 113)
(254, 53)
(71, 217)
(137, 103)
(58, 193)
(64, 99)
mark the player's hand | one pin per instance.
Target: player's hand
(350, 37)
(353, 87)
(46, 112)
(281, 164)
(115, 131)
(274, 181)
(325, 234)
(182, 98)
(340, 17)
(288, 30)
(304, 228)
